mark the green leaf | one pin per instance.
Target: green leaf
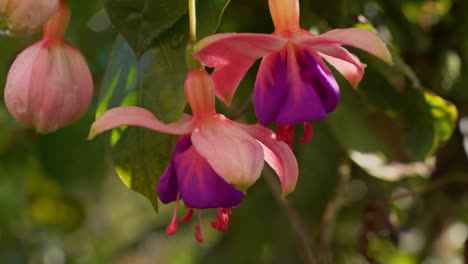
(121, 78)
(350, 123)
(425, 120)
(382, 251)
(431, 122)
(155, 82)
(140, 21)
(389, 134)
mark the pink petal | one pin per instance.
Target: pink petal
(231, 55)
(277, 154)
(354, 37)
(136, 116)
(233, 154)
(346, 63)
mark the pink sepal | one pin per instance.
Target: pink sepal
(136, 116)
(277, 154)
(343, 61)
(354, 37)
(231, 55)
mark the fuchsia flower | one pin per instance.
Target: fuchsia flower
(215, 159)
(49, 85)
(293, 84)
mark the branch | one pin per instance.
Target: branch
(437, 184)
(293, 216)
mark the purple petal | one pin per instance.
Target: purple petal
(167, 185)
(302, 102)
(270, 88)
(321, 78)
(200, 187)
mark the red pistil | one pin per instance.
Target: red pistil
(222, 220)
(198, 232)
(308, 131)
(286, 134)
(171, 229)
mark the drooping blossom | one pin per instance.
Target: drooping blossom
(25, 17)
(49, 85)
(293, 85)
(215, 159)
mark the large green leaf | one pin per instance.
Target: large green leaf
(155, 81)
(140, 21)
(350, 123)
(389, 131)
(425, 120)
(431, 121)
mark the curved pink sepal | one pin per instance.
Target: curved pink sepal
(278, 155)
(136, 116)
(228, 77)
(232, 54)
(232, 153)
(343, 61)
(354, 37)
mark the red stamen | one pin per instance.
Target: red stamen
(198, 232)
(188, 216)
(222, 220)
(171, 229)
(286, 134)
(308, 132)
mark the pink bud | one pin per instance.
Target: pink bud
(25, 17)
(49, 85)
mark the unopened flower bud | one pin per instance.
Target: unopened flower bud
(49, 85)
(25, 17)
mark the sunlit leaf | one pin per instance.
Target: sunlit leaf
(431, 122)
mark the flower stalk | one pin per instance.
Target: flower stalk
(192, 63)
(192, 21)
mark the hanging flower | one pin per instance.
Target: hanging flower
(49, 85)
(215, 159)
(293, 84)
(25, 17)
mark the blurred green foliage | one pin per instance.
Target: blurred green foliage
(61, 202)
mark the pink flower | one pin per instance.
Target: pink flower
(25, 17)
(293, 84)
(49, 85)
(215, 159)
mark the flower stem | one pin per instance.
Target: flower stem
(56, 27)
(193, 22)
(192, 63)
(437, 184)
